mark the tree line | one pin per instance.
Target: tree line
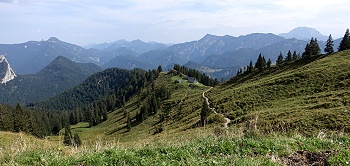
(38, 123)
(312, 49)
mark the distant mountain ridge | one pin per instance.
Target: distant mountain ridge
(197, 51)
(209, 51)
(32, 56)
(137, 46)
(6, 72)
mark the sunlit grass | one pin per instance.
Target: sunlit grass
(193, 147)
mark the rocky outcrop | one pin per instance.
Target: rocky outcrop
(6, 72)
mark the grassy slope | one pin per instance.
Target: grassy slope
(302, 98)
(307, 98)
(189, 148)
(181, 117)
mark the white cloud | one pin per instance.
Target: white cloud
(166, 20)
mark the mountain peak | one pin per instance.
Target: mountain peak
(209, 37)
(6, 72)
(53, 39)
(304, 33)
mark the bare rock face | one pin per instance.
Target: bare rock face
(6, 72)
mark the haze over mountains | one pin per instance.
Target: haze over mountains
(30, 57)
(217, 56)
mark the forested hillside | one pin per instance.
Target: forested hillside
(60, 75)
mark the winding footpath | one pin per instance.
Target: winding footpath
(207, 101)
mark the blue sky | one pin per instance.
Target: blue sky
(84, 22)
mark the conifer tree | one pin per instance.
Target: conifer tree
(307, 52)
(295, 56)
(260, 63)
(329, 45)
(263, 64)
(160, 69)
(2, 128)
(312, 49)
(205, 112)
(315, 48)
(269, 63)
(77, 140)
(345, 42)
(251, 67)
(279, 59)
(19, 120)
(33, 126)
(67, 139)
(289, 57)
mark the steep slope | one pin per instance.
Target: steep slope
(60, 75)
(6, 72)
(303, 97)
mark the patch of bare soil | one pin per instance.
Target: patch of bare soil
(301, 158)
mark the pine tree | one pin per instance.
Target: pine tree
(345, 42)
(307, 52)
(33, 126)
(251, 67)
(67, 139)
(260, 63)
(160, 69)
(315, 48)
(205, 112)
(279, 59)
(295, 56)
(263, 63)
(312, 49)
(329, 45)
(269, 63)
(19, 120)
(2, 128)
(77, 140)
(289, 57)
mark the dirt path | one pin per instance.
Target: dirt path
(207, 101)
